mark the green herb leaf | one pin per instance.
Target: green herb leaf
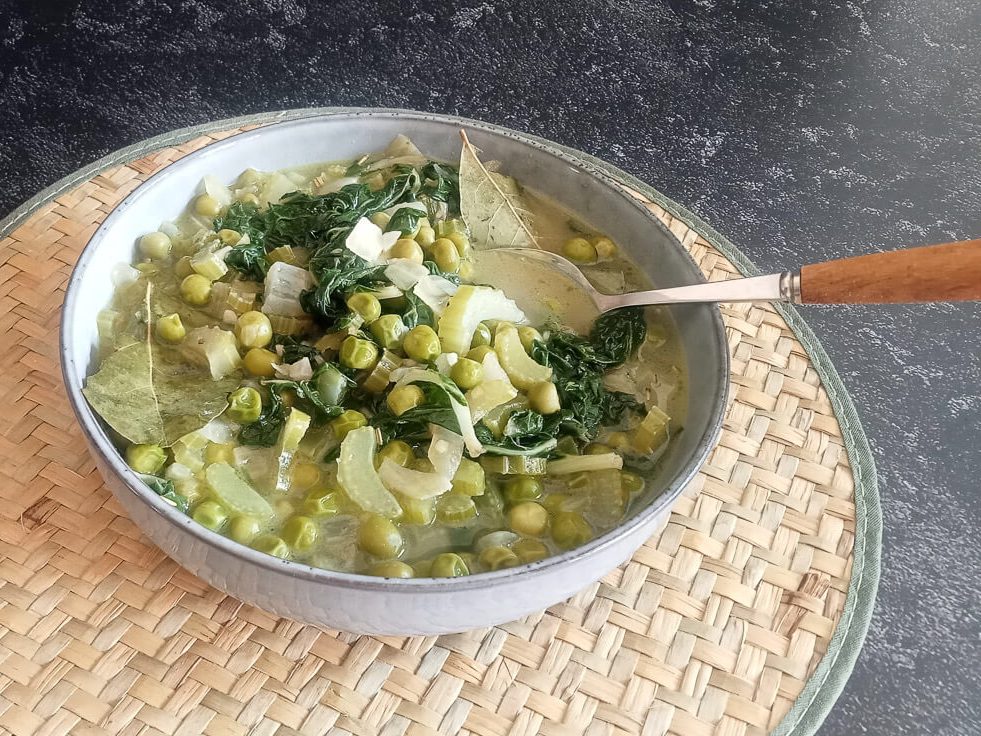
(150, 400)
(165, 489)
(417, 312)
(492, 205)
(293, 349)
(405, 221)
(264, 431)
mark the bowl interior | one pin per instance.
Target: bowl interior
(591, 194)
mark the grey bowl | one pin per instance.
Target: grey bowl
(354, 602)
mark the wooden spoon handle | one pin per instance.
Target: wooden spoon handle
(950, 272)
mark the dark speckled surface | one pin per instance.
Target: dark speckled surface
(801, 130)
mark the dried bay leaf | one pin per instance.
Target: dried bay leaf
(492, 205)
(149, 399)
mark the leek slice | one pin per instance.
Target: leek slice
(357, 475)
(467, 308)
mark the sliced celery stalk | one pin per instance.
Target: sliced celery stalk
(357, 475)
(652, 432)
(521, 369)
(467, 308)
(515, 465)
(297, 423)
(209, 264)
(233, 492)
(583, 463)
(380, 376)
(489, 395)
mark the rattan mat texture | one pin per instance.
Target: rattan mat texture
(742, 617)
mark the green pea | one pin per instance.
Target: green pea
(498, 558)
(530, 550)
(605, 248)
(481, 336)
(522, 488)
(244, 405)
(229, 237)
(446, 255)
(196, 290)
(448, 565)
(300, 533)
(207, 206)
(348, 420)
(453, 508)
(478, 353)
(253, 330)
(397, 451)
(380, 537)
(358, 353)
(408, 249)
(155, 245)
(392, 569)
(321, 502)
(147, 459)
(579, 250)
(381, 219)
(528, 518)
(462, 243)
(331, 384)
(210, 514)
(365, 305)
(403, 398)
(243, 529)
(271, 545)
(388, 330)
(421, 343)
(529, 336)
(467, 373)
(544, 398)
(170, 328)
(260, 362)
(426, 236)
(570, 530)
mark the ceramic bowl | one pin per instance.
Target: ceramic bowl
(360, 603)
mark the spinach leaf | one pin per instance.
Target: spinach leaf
(308, 396)
(165, 489)
(578, 365)
(413, 425)
(441, 183)
(248, 258)
(338, 271)
(616, 335)
(264, 431)
(293, 349)
(453, 278)
(417, 312)
(405, 221)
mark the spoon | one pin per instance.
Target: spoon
(934, 273)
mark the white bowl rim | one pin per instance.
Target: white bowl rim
(107, 451)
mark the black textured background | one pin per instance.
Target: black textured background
(801, 130)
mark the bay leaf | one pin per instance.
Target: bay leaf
(148, 398)
(492, 205)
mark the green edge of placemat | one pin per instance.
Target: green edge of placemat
(826, 683)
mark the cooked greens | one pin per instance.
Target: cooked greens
(307, 362)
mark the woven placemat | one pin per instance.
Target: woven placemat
(742, 617)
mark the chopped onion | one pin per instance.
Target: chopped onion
(301, 370)
(368, 240)
(213, 186)
(123, 273)
(405, 273)
(501, 538)
(445, 361)
(412, 483)
(435, 292)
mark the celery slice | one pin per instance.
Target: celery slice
(515, 465)
(209, 264)
(297, 423)
(458, 403)
(489, 395)
(412, 483)
(582, 463)
(381, 375)
(231, 490)
(467, 308)
(357, 476)
(521, 369)
(652, 432)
